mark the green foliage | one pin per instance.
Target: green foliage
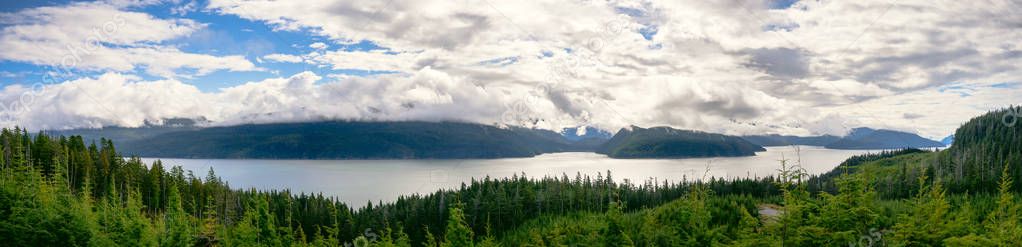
(88, 195)
(34, 214)
(1004, 224)
(178, 229)
(928, 223)
(983, 147)
(849, 214)
(615, 234)
(665, 142)
(458, 233)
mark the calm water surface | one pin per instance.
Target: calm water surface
(359, 181)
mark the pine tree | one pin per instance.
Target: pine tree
(1003, 224)
(178, 228)
(431, 240)
(457, 233)
(615, 234)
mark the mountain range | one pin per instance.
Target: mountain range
(858, 138)
(867, 138)
(178, 138)
(337, 140)
(783, 140)
(947, 141)
(666, 142)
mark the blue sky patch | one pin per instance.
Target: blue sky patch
(781, 4)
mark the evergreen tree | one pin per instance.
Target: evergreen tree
(615, 234)
(178, 230)
(1003, 224)
(458, 232)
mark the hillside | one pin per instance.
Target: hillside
(48, 197)
(947, 141)
(961, 196)
(867, 138)
(338, 140)
(982, 148)
(121, 134)
(783, 140)
(666, 142)
(585, 138)
(858, 138)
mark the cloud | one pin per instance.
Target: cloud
(377, 60)
(805, 67)
(285, 58)
(318, 45)
(99, 36)
(911, 116)
(115, 99)
(784, 63)
(184, 9)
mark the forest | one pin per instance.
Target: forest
(667, 142)
(62, 191)
(336, 140)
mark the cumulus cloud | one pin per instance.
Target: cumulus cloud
(115, 99)
(815, 67)
(100, 36)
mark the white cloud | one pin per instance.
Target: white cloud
(124, 100)
(99, 36)
(368, 60)
(285, 58)
(727, 66)
(184, 9)
(318, 45)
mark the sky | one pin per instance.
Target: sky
(734, 67)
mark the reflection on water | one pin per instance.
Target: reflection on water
(359, 181)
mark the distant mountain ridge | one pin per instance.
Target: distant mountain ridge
(782, 140)
(408, 140)
(947, 141)
(666, 142)
(183, 138)
(867, 138)
(858, 138)
(583, 133)
(337, 140)
(587, 138)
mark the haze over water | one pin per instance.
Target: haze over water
(359, 181)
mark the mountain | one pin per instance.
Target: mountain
(666, 142)
(985, 149)
(948, 140)
(780, 140)
(867, 138)
(858, 138)
(120, 134)
(988, 143)
(587, 138)
(582, 133)
(338, 140)
(126, 134)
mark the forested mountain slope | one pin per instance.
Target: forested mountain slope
(866, 138)
(983, 146)
(341, 140)
(782, 140)
(858, 138)
(666, 142)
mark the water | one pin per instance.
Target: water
(359, 181)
